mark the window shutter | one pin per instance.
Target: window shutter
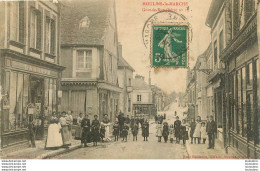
(53, 40)
(21, 21)
(39, 30)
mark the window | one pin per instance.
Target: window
(111, 62)
(129, 82)
(239, 108)
(139, 98)
(35, 34)
(84, 59)
(50, 35)
(17, 21)
(244, 112)
(221, 41)
(249, 79)
(215, 53)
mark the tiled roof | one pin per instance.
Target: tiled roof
(140, 84)
(123, 63)
(72, 12)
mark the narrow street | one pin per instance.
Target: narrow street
(150, 149)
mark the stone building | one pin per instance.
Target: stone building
(30, 68)
(234, 26)
(89, 49)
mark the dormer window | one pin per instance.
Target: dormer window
(84, 23)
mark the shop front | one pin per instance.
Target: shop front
(144, 110)
(29, 90)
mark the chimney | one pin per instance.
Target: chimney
(119, 46)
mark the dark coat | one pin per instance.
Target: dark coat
(165, 132)
(183, 133)
(135, 130)
(95, 130)
(177, 128)
(125, 129)
(116, 129)
(85, 124)
(145, 129)
(211, 127)
(192, 128)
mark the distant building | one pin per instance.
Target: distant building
(142, 97)
(158, 98)
(125, 78)
(89, 49)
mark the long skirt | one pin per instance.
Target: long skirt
(78, 133)
(54, 138)
(65, 135)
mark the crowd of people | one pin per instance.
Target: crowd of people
(60, 129)
(198, 131)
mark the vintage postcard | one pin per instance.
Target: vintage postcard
(129, 79)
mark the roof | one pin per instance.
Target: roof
(123, 63)
(95, 12)
(213, 11)
(140, 84)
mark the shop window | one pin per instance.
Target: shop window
(84, 59)
(249, 79)
(17, 21)
(239, 107)
(26, 83)
(6, 101)
(244, 112)
(19, 101)
(35, 29)
(13, 88)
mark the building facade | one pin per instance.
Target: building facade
(158, 98)
(142, 98)
(30, 68)
(236, 50)
(89, 49)
(125, 77)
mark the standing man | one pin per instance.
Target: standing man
(177, 129)
(211, 130)
(85, 125)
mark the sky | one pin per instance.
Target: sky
(130, 22)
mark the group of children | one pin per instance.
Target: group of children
(134, 126)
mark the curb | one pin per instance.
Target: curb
(58, 152)
(188, 149)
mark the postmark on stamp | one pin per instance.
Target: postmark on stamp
(169, 45)
(167, 34)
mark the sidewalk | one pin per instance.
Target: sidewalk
(39, 152)
(201, 151)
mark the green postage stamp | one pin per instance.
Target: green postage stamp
(169, 46)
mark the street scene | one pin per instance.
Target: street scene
(84, 80)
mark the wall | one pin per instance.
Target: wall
(146, 96)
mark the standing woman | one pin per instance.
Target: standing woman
(177, 129)
(192, 129)
(54, 138)
(197, 133)
(95, 130)
(145, 129)
(78, 132)
(65, 130)
(159, 129)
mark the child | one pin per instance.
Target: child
(125, 132)
(203, 132)
(102, 132)
(159, 131)
(116, 130)
(171, 133)
(165, 131)
(135, 131)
